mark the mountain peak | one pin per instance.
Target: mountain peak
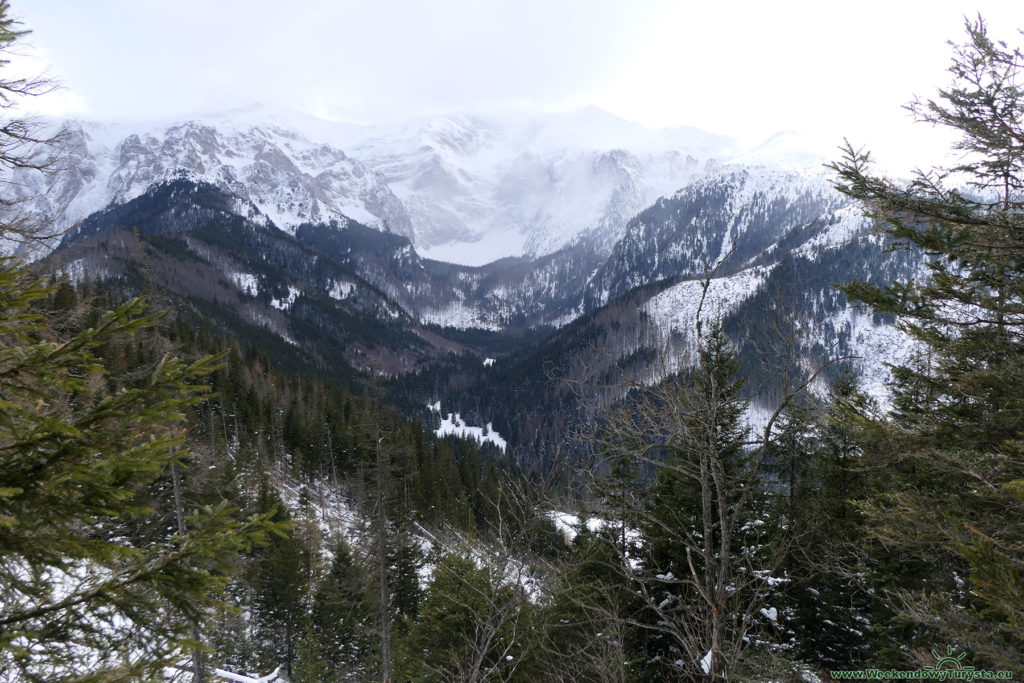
(791, 150)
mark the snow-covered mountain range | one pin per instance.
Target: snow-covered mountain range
(465, 188)
(290, 178)
(303, 226)
(484, 187)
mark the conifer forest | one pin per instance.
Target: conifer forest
(767, 425)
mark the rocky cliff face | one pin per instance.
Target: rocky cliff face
(289, 178)
(465, 189)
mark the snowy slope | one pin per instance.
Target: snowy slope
(452, 424)
(873, 347)
(289, 177)
(725, 219)
(674, 312)
(484, 186)
(467, 188)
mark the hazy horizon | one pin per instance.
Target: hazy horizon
(747, 71)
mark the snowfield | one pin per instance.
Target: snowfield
(461, 317)
(874, 347)
(454, 425)
(674, 311)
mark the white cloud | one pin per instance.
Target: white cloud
(744, 68)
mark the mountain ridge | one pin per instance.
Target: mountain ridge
(466, 188)
(631, 282)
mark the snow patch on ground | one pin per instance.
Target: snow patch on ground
(568, 524)
(460, 317)
(286, 303)
(480, 252)
(239, 678)
(504, 565)
(565, 319)
(246, 283)
(674, 311)
(453, 424)
(756, 417)
(76, 272)
(705, 663)
(340, 290)
(323, 503)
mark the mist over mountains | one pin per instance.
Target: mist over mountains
(399, 248)
(466, 188)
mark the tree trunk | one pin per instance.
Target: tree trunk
(198, 668)
(382, 568)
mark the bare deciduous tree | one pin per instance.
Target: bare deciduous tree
(705, 564)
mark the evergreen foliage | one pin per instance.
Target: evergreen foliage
(945, 485)
(94, 582)
(83, 592)
(825, 606)
(589, 626)
(704, 561)
(468, 628)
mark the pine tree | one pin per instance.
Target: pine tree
(468, 626)
(826, 607)
(700, 575)
(588, 630)
(947, 488)
(88, 422)
(77, 595)
(341, 618)
(279, 582)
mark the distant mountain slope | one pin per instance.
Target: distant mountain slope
(511, 294)
(723, 220)
(465, 188)
(288, 177)
(783, 312)
(222, 258)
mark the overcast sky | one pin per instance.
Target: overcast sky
(744, 68)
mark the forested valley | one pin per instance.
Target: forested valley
(187, 500)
